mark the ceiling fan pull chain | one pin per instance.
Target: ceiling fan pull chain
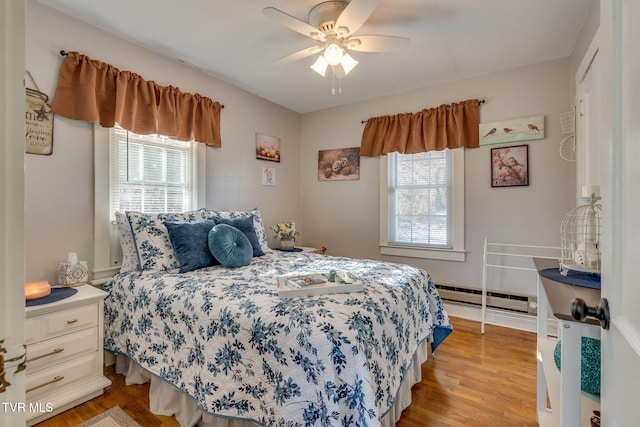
(333, 82)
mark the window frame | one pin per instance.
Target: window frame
(457, 252)
(165, 144)
(106, 244)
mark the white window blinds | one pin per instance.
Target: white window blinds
(421, 199)
(152, 173)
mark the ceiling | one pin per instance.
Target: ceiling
(233, 41)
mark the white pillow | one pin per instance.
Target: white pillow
(151, 238)
(129, 254)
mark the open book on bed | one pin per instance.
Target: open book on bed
(318, 284)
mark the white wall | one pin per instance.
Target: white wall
(59, 188)
(344, 216)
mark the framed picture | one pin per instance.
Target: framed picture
(510, 166)
(524, 129)
(268, 176)
(340, 164)
(267, 147)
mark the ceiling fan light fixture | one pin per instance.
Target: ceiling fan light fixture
(348, 63)
(333, 54)
(320, 66)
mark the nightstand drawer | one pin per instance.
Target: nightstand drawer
(50, 380)
(61, 348)
(32, 329)
(53, 324)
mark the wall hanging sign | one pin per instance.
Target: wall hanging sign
(267, 147)
(510, 166)
(339, 164)
(39, 122)
(523, 129)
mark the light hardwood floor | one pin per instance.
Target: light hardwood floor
(474, 380)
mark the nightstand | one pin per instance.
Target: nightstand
(562, 389)
(64, 342)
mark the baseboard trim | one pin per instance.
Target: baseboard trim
(507, 319)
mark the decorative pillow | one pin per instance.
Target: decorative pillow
(129, 254)
(258, 225)
(230, 246)
(190, 241)
(589, 365)
(155, 252)
(246, 225)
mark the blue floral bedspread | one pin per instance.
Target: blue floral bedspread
(224, 337)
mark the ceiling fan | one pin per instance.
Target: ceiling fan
(332, 25)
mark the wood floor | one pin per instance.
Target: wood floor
(474, 380)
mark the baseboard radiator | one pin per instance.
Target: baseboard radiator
(495, 300)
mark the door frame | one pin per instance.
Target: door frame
(12, 165)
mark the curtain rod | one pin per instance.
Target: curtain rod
(482, 101)
(65, 53)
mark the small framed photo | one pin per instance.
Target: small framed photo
(267, 147)
(268, 176)
(510, 166)
(340, 164)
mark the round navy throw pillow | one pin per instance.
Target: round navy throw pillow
(230, 246)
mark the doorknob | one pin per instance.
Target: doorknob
(580, 311)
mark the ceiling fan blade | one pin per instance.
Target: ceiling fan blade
(377, 43)
(293, 23)
(354, 15)
(298, 55)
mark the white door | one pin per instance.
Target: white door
(588, 129)
(621, 211)
(12, 122)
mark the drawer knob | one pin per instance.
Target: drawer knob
(71, 321)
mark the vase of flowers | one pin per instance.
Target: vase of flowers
(286, 233)
(287, 243)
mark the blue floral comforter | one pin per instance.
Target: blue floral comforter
(223, 337)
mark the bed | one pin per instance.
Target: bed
(221, 348)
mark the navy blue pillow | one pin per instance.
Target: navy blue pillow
(230, 246)
(190, 241)
(244, 224)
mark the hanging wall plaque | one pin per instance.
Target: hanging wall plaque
(39, 123)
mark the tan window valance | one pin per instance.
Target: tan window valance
(447, 126)
(97, 92)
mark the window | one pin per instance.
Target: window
(152, 173)
(422, 205)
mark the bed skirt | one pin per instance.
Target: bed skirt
(164, 399)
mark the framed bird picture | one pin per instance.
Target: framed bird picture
(524, 129)
(510, 166)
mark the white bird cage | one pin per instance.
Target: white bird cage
(580, 237)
